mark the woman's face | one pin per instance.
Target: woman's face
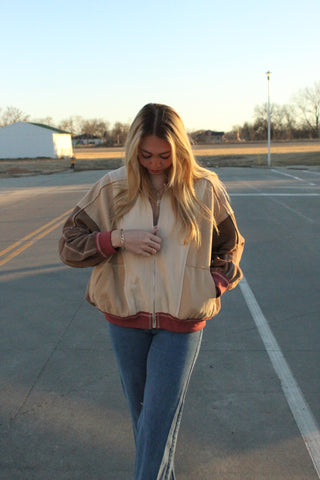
(155, 154)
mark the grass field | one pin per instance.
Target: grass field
(221, 155)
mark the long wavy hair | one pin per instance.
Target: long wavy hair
(165, 123)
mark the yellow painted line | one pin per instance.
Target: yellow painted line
(32, 234)
(20, 246)
(15, 253)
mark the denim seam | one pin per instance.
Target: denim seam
(177, 417)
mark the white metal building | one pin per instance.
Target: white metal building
(33, 140)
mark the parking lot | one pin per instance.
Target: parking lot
(252, 411)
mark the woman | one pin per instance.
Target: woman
(165, 246)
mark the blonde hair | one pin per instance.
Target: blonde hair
(165, 123)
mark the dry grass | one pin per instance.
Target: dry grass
(239, 155)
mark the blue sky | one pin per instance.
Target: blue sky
(207, 59)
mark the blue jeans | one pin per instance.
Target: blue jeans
(155, 368)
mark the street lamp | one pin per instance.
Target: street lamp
(269, 130)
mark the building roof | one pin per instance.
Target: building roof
(213, 133)
(54, 129)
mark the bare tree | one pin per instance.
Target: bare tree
(45, 120)
(261, 120)
(72, 124)
(308, 102)
(288, 121)
(95, 127)
(119, 133)
(103, 129)
(13, 115)
(282, 121)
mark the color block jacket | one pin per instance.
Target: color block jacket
(179, 287)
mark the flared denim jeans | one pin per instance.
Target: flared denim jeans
(155, 368)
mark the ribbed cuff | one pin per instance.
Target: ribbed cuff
(222, 283)
(103, 244)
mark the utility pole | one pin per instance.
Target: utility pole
(269, 129)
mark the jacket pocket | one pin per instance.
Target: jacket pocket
(106, 289)
(198, 299)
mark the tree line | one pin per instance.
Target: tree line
(111, 135)
(298, 120)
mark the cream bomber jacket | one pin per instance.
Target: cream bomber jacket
(180, 282)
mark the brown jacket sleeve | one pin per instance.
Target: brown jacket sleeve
(227, 248)
(77, 246)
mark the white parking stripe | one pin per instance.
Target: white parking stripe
(284, 205)
(292, 176)
(271, 194)
(312, 172)
(300, 409)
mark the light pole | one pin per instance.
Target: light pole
(269, 130)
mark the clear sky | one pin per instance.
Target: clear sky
(106, 59)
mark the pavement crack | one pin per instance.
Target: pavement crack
(44, 366)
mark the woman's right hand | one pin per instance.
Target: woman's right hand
(140, 242)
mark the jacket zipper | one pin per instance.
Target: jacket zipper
(154, 321)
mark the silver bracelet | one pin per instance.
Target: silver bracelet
(122, 239)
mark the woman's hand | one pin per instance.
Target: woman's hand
(140, 242)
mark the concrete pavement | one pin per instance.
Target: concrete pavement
(63, 415)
